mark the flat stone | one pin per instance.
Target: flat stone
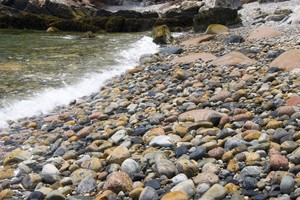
(197, 40)
(293, 101)
(84, 131)
(233, 58)
(208, 177)
(149, 135)
(263, 32)
(161, 141)
(6, 194)
(192, 57)
(288, 60)
(55, 195)
(93, 163)
(50, 169)
(200, 114)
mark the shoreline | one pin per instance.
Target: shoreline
(195, 128)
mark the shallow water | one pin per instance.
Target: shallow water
(39, 71)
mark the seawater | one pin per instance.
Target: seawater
(39, 71)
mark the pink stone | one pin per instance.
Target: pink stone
(233, 58)
(200, 114)
(293, 101)
(118, 181)
(279, 162)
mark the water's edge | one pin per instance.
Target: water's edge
(44, 101)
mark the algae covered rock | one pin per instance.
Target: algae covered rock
(217, 29)
(162, 35)
(53, 30)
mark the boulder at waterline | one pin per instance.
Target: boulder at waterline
(162, 35)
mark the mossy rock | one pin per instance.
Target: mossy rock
(74, 25)
(96, 21)
(224, 16)
(217, 29)
(88, 35)
(162, 35)
(53, 30)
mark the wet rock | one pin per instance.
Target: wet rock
(189, 168)
(162, 35)
(36, 195)
(233, 58)
(198, 153)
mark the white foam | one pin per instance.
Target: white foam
(45, 101)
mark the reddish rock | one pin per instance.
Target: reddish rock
(293, 101)
(220, 96)
(277, 161)
(263, 32)
(197, 40)
(233, 58)
(288, 61)
(286, 110)
(118, 181)
(107, 195)
(216, 153)
(193, 57)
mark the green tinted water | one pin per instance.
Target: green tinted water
(31, 61)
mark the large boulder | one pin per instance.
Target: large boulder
(232, 4)
(219, 15)
(162, 35)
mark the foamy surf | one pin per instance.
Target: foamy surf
(44, 101)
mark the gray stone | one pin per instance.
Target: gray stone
(55, 195)
(50, 169)
(130, 166)
(186, 186)
(287, 184)
(217, 192)
(165, 167)
(87, 185)
(148, 193)
(202, 188)
(118, 136)
(179, 178)
(295, 156)
(234, 142)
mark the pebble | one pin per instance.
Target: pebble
(287, 185)
(185, 186)
(148, 193)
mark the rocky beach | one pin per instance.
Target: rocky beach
(213, 116)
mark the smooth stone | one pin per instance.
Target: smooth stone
(288, 60)
(171, 50)
(249, 183)
(294, 157)
(55, 195)
(217, 192)
(217, 29)
(161, 141)
(199, 114)
(187, 186)
(92, 163)
(198, 153)
(279, 162)
(87, 185)
(210, 168)
(36, 195)
(202, 188)
(233, 58)
(179, 151)
(6, 194)
(50, 169)
(252, 171)
(154, 183)
(165, 167)
(263, 32)
(234, 142)
(119, 154)
(234, 39)
(130, 166)
(80, 174)
(175, 195)
(149, 193)
(209, 178)
(287, 185)
(197, 40)
(179, 178)
(187, 167)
